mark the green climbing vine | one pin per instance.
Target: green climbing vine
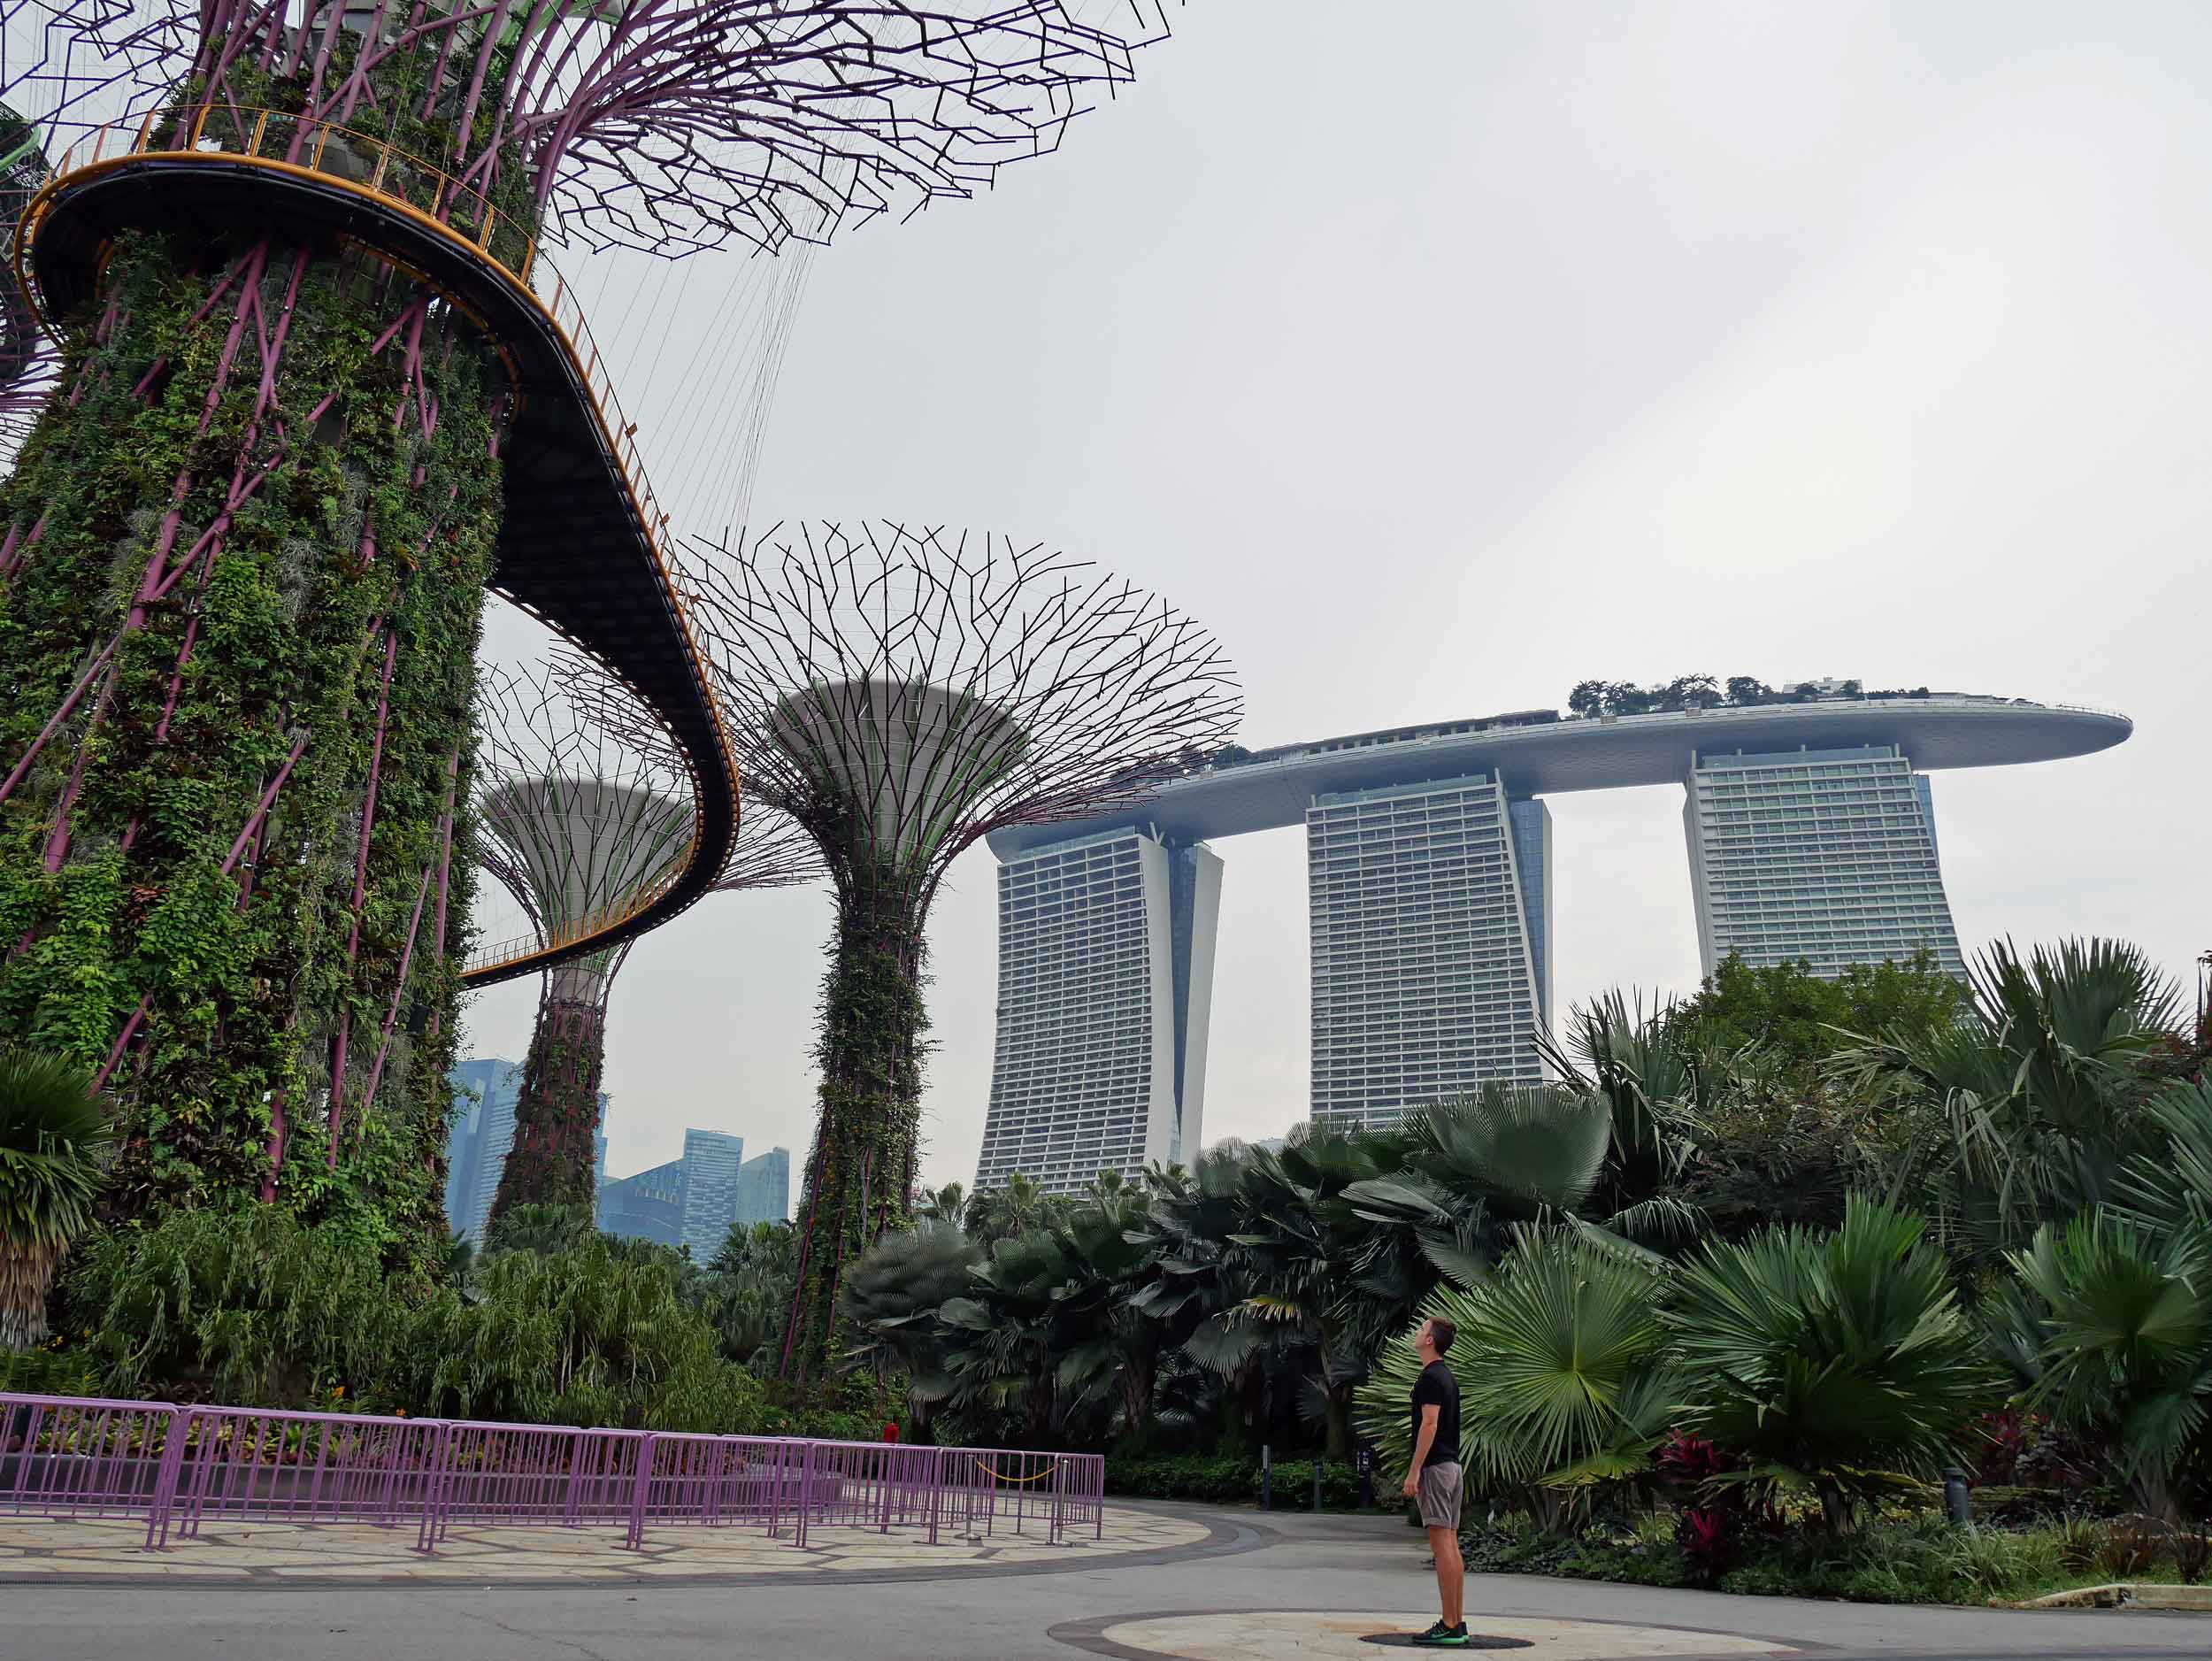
(553, 1160)
(302, 442)
(871, 1048)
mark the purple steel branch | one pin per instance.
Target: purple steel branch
(669, 125)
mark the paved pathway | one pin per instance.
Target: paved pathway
(1227, 1586)
(108, 1551)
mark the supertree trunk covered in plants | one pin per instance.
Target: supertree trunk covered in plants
(900, 693)
(244, 552)
(583, 812)
(556, 1112)
(242, 557)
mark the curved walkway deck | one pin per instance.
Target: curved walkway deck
(581, 541)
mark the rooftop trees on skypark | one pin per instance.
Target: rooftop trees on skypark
(243, 554)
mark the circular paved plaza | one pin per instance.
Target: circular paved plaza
(1164, 1583)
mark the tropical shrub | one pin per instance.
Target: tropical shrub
(1562, 1368)
(1233, 1480)
(250, 1307)
(54, 1140)
(1838, 1365)
(2125, 1347)
(599, 1333)
(243, 1305)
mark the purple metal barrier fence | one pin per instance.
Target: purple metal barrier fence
(243, 1464)
(879, 1485)
(61, 1456)
(1026, 1490)
(720, 1481)
(175, 1465)
(501, 1475)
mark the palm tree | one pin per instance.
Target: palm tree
(947, 1204)
(1302, 1253)
(1656, 1081)
(1002, 1213)
(2126, 1344)
(1562, 1363)
(746, 1289)
(55, 1134)
(1840, 1364)
(891, 1299)
(2169, 1192)
(541, 1229)
(1461, 1178)
(1002, 1340)
(1197, 1294)
(1111, 1345)
(2038, 1088)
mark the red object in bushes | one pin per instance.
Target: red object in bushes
(891, 1430)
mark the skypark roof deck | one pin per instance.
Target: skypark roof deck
(1537, 753)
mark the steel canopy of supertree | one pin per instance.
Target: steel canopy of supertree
(582, 810)
(308, 408)
(900, 692)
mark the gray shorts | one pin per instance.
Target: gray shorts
(1441, 1492)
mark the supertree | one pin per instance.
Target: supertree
(901, 693)
(583, 809)
(308, 408)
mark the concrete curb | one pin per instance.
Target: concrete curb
(2128, 1594)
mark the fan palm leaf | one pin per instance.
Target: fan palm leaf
(1561, 1359)
(1839, 1361)
(2126, 1341)
(54, 1139)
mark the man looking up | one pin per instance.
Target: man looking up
(1433, 1478)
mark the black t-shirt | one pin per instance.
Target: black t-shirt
(1437, 1385)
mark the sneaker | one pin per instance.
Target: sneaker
(1442, 1637)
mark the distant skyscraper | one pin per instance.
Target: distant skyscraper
(711, 1159)
(1104, 994)
(1827, 855)
(1430, 912)
(647, 1206)
(478, 1148)
(764, 1187)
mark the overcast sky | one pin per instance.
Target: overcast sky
(1441, 354)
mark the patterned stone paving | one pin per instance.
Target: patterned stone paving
(107, 1548)
(1337, 1635)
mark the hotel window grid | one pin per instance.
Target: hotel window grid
(1424, 978)
(1095, 943)
(1829, 856)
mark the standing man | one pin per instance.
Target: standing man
(1433, 1478)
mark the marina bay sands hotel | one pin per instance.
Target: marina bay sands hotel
(1811, 835)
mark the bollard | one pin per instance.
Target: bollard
(1956, 1501)
(1317, 1485)
(1267, 1479)
(1367, 1478)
